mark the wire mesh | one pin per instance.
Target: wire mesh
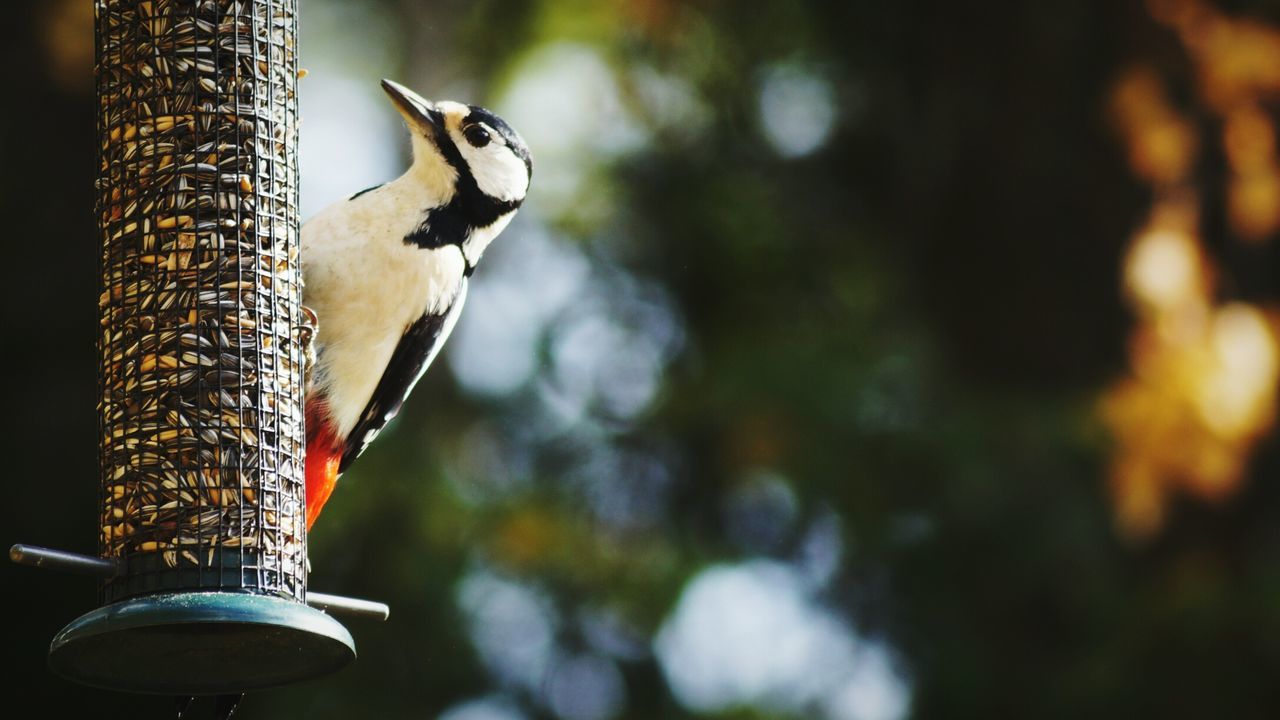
(201, 377)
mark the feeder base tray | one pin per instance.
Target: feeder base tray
(200, 643)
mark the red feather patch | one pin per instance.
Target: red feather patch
(324, 455)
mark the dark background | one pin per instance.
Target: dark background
(912, 327)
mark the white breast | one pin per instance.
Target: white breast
(367, 286)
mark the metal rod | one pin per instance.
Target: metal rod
(353, 607)
(62, 560)
(51, 559)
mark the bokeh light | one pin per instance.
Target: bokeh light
(797, 109)
(749, 634)
(1204, 384)
(484, 709)
(512, 626)
(585, 687)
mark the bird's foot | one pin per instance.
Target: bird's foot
(306, 332)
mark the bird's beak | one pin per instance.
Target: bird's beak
(418, 112)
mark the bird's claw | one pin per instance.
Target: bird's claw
(306, 332)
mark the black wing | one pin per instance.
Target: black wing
(419, 346)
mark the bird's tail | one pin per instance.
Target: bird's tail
(324, 456)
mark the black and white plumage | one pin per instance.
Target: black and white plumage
(386, 273)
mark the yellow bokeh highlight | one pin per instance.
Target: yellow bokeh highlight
(1190, 414)
(1161, 143)
(1204, 372)
(1237, 389)
(1253, 192)
(1164, 270)
(1203, 383)
(1237, 65)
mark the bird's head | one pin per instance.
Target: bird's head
(467, 147)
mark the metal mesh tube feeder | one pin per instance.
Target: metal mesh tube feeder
(202, 544)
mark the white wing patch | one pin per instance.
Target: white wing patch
(417, 349)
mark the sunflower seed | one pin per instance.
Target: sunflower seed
(200, 397)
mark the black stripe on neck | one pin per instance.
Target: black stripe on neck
(470, 208)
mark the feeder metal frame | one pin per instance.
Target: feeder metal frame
(201, 377)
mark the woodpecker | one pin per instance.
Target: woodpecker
(385, 273)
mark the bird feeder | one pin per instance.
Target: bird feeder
(203, 542)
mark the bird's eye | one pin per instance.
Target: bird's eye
(477, 136)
